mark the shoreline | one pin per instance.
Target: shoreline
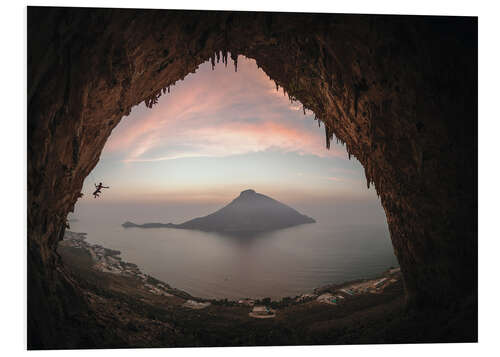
(109, 261)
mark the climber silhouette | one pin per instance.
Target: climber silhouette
(98, 189)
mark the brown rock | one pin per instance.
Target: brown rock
(399, 91)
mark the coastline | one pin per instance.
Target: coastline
(107, 260)
(146, 312)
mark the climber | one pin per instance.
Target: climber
(98, 189)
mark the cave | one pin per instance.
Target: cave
(399, 91)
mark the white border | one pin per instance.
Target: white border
(13, 178)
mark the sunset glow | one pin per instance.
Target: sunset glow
(218, 132)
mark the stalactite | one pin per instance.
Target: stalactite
(218, 56)
(304, 110)
(367, 178)
(235, 60)
(153, 99)
(327, 134)
(224, 57)
(212, 59)
(168, 89)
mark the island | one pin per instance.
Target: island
(129, 224)
(249, 212)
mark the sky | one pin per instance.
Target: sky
(217, 133)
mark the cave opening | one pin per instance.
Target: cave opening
(192, 150)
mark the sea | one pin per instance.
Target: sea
(286, 262)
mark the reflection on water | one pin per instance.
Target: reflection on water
(286, 262)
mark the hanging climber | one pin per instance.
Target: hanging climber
(98, 189)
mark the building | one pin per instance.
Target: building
(261, 310)
(328, 299)
(248, 302)
(380, 283)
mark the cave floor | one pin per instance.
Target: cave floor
(123, 314)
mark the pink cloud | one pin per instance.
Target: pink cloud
(334, 178)
(216, 114)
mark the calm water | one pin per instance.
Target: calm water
(287, 262)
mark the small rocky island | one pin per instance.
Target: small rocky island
(249, 212)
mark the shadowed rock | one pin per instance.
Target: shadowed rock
(399, 91)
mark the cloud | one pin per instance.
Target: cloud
(218, 113)
(333, 178)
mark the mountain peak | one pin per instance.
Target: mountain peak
(247, 192)
(250, 211)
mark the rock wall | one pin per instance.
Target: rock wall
(399, 91)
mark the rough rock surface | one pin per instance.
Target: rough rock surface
(399, 91)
